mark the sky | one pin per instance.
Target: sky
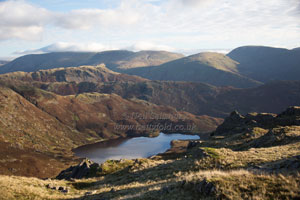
(186, 26)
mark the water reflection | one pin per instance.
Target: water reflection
(129, 148)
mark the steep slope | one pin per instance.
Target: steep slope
(266, 63)
(212, 68)
(114, 60)
(32, 140)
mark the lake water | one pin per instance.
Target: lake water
(139, 147)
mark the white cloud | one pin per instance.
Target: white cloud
(90, 18)
(18, 19)
(140, 46)
(94, 47)
(190, 3)
(64, 46)
(22, 20)
(157, 24)
(26, 33)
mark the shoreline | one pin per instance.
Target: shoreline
(172, 148)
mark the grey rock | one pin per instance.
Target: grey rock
(165, 190)
(205, 188)
(61, 188)
(83, 170)
(65, 191)
(193, 143)
(112, 190)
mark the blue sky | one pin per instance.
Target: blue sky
(188, 26)
(65, 5)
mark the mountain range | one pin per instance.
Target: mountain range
(243, 67)
(115, 60)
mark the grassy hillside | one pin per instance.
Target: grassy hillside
(212, 68)
(33, 143)
(239, 165)
(266, 63)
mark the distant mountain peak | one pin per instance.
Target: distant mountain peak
(114, 60)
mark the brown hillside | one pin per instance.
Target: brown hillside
(31, 139)
(37, 125)
(196, 98)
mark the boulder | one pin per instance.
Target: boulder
(205, 188)
(85, 169)
(233, 122)
(193, 143)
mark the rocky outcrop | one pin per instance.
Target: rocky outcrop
(289, 117)
(85, 169)
(237, 123)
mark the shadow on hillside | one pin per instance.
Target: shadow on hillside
(287, 166)
(129, 193)
(125, 176)
(265, 142)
